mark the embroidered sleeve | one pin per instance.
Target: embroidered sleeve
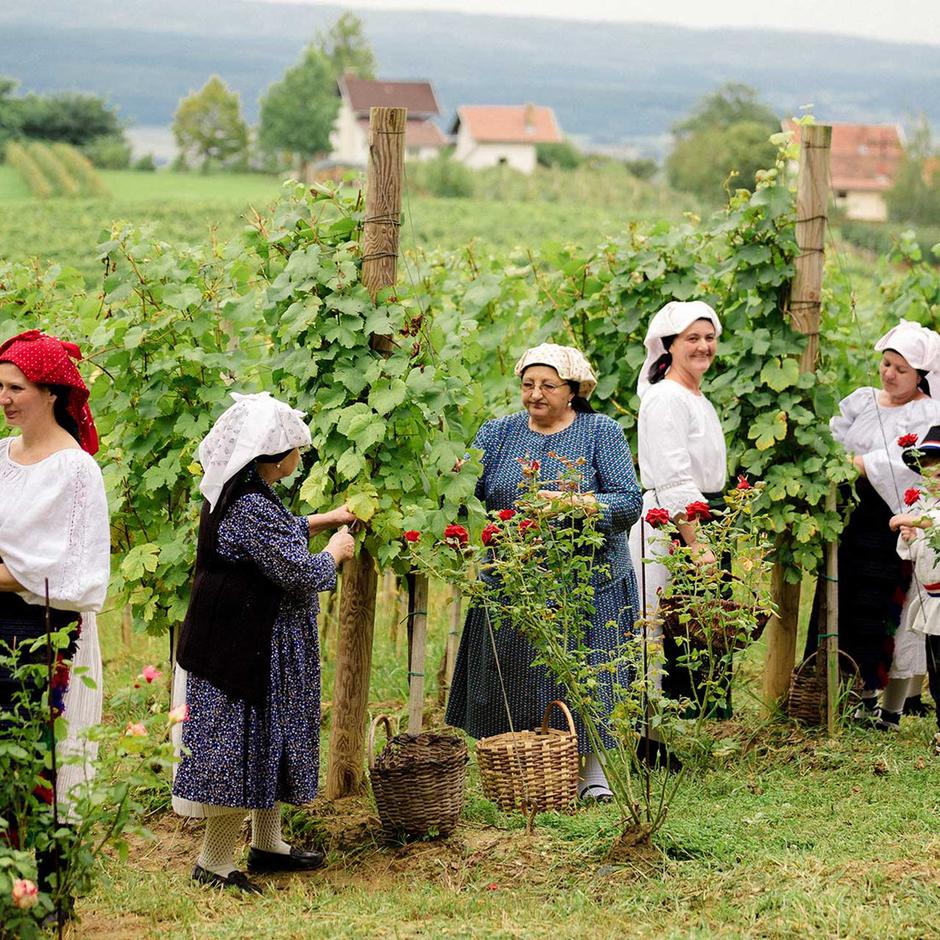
(258, 529)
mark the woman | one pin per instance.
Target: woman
(557, 419)
(249, 644)
(53, 530)
(682, 459)
(873, 580)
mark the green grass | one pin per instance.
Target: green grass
(782, 834)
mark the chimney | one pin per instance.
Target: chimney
(529, 117)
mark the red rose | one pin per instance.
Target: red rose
(698, 511)
(489, 533)
(907, 440)
(527, 524)
(456, 536)
(657, 517)
(911, 496)
(412, 535)
(506, 514)
(530, 467)
(743, 484)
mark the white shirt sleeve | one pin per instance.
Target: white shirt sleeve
(60, 532)
(665, 426)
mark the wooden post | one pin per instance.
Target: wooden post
(345, 773)
(832, 625)
(127, 627)
(419, 639)
(453, 640)
(812, 200)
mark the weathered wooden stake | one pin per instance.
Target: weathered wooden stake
(357, 604)
(453, 640)
(832, 625)
(812, 200)
(419, 642)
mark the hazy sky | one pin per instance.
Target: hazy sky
(898, 20)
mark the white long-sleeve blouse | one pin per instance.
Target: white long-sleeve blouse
(54, 524)
(681, 446)
(871, 431)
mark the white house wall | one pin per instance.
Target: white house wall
(348, 139)
(863, 206)
(479, 156)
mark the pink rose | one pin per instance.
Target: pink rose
(178, 714)
(135, 729)
(150, 673)
(25, 894)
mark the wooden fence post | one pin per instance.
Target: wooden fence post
(416, 658)
(812, 200)
(360, 578)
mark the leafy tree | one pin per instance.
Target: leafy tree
(208, 126)
(732, 103)
(11, 118)
(563, 154)
(297, 113)
(915, 195)
(347, 48)
(71, 117)
(727, 133)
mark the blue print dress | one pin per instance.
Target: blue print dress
(254, 756)
(476, 700)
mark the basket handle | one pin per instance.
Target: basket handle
(388, 734)
(564, 710)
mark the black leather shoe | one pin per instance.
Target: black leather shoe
(237, 879)
(296, 860)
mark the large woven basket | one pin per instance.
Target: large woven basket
(418, 782)
(532, 771)
(710, 626)
(806, 700)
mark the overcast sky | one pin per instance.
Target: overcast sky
(898, 20)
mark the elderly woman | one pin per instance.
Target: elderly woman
(249, 644)
(557, 419)
(682, 458)
(874, 425)
(53, 531)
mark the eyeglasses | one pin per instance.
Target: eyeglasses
(547, 387)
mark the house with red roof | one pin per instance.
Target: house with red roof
(864, 163)
(350, 137)
(490, 135)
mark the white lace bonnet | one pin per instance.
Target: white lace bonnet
(570, 364)
(919, 345)
(255, 425)
(671, 320)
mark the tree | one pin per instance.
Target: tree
(208, 126)
(71, 117)
(297, 113)
(728, 132)
(347, 48)
(563, 154)
(915, 195)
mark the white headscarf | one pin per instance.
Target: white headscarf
(671, 321)
(254, 426)
(568, 362)
(920, 346)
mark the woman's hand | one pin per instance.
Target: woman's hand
(342, 546)
(908, 524)
(859, 463)
(321, 521)
(701, 553)
(583, 501)
(909, 532)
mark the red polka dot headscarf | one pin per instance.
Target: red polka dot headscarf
(47, 360)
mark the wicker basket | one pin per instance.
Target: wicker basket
(418, 782)
(806, 700)
(706, 628)
(532, 771)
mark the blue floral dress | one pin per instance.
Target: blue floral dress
(476, 700)
(254, 756)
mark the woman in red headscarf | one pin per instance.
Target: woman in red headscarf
(54, 534)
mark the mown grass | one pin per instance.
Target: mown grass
(780, 833)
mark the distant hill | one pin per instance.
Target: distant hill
(609, 82)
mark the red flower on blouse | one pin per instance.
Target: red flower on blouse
(743, 484)
(911, 496)
(506, 514)
(489, 533)
(698, 511)
(907, 440)
(412, 535)
(456, 536)
(657, 517)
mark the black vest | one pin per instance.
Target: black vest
(226, 636)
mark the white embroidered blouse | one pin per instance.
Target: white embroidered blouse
(871, 431)
(681, 446)
(54, 524)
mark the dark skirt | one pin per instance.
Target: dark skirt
(873, 583)
(477, 702)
